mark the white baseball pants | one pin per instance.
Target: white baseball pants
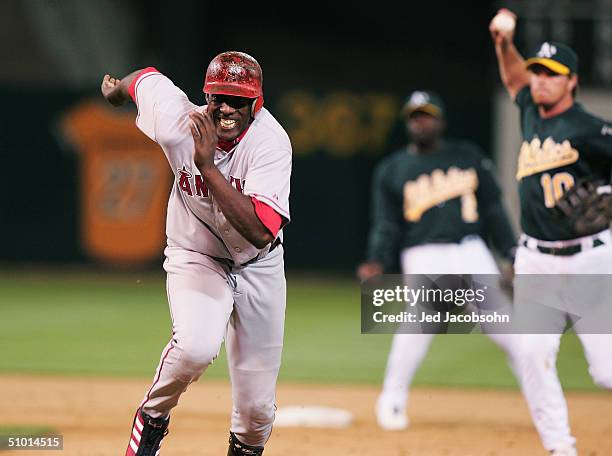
(208, 305)
(539, 379)
(471, 256)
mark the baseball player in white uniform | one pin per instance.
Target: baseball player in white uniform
(562, 144)
(224, 258)
(434, 203)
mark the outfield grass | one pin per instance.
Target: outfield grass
(117, 324)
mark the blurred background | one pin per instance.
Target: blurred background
(83, 201)
(83, 192)
(335, 75)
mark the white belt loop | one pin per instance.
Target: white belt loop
(587, 243)
(531, 243)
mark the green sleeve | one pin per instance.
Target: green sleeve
(385, 214)
(497, 227)
(600, 141)
(523, 97)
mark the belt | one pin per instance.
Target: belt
(275, 244)
(564, 251)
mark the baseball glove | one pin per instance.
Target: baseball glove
(588, 206)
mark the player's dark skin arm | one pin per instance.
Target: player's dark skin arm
(511, 64)
(116, 91)
(237, 208)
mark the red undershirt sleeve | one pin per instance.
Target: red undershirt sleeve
(132, 88)
(271, 219)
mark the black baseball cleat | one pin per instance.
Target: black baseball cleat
(237, 448)
(147, 434)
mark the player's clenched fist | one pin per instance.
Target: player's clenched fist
(204, 138)
(368, 270)
(111, 89)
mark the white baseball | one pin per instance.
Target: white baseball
(504, 22)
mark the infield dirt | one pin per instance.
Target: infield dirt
(95, 415)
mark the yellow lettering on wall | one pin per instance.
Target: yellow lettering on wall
(342, 124)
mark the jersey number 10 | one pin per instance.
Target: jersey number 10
(555, 186)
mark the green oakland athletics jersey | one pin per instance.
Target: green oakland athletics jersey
(438, 197)
(556, 153)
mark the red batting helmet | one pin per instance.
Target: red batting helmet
(236, 74)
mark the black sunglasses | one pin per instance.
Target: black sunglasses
(234, 102)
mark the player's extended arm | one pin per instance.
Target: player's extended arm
(498, 228)
(384, 237)
(511, 64)
(237, 208)
(116, 91)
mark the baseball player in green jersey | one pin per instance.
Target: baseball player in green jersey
(434, 204)
(562, 144)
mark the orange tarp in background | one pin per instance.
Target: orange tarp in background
(124, 182)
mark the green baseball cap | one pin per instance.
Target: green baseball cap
(423, 101)
(557, 57)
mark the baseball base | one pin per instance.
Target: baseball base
(312, 416)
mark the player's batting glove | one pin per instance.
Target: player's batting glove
(588, 206)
